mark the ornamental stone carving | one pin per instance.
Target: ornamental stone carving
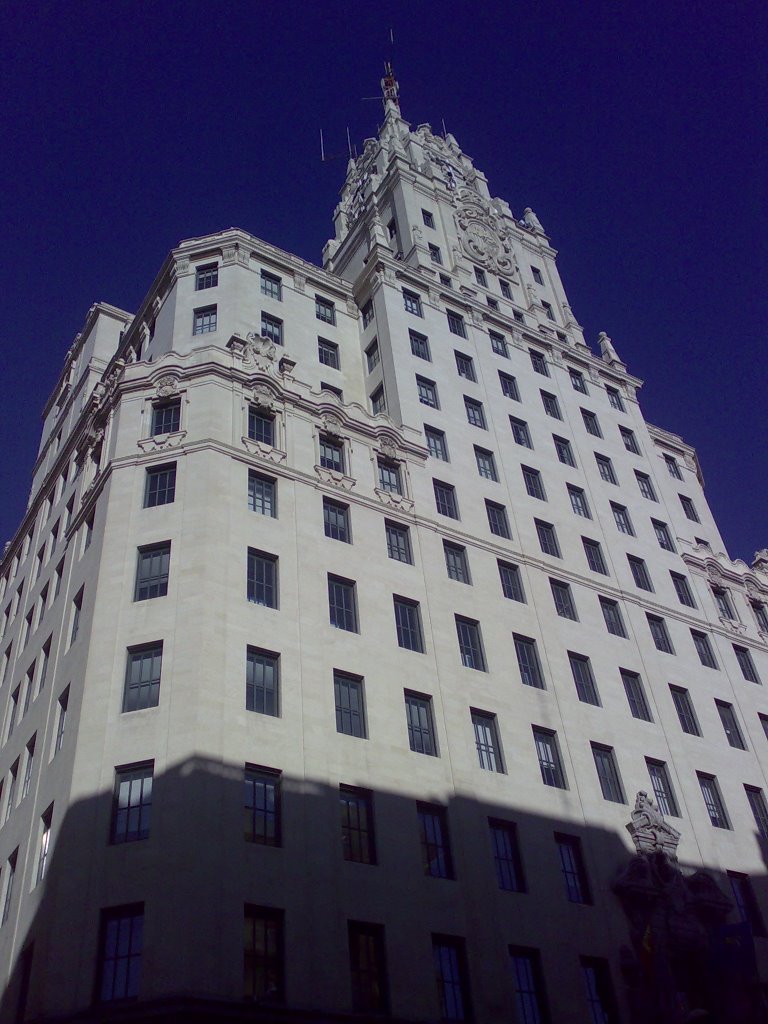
(387, 447)
(265, 451)
(332, 424)
(299, 282)
(531, 221)
(482, 234)
(648, 829)
(259, 352)
(265, 398)
(161, 442)
(760, 563)
(398, 501)
(166, 386)
(330, 476)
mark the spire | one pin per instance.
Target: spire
(390, 90)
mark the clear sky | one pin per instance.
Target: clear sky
(635, 131)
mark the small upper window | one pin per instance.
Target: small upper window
(325, 310)
(272, 328)
(372, 355)
(506, 291)
(537, 275)
(420, 345)
(456, 324)
(538, 362)
(328, 353)
(480, 277)
(428, 218)
(689, 509)
(271, 285)
(166, 417)
(498, 344)
(261, 426)
(206, 277)
(367, 312)
(204, 320)
(548, 310)
(577, 379)
(630, 441)
(389, 476)
(591, 423)
(465, 366)
(614, 399)
(434, 253)
(412, 303)
(672, 467)
(475, 414)
(378, 401)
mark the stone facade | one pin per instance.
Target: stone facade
(259, 404)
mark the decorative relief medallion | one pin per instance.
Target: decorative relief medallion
(265, 398)
(387, 447)
(483, 235)
(166, 386)
(331, 424)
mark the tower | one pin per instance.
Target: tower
(351, 608)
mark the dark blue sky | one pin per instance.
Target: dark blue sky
(636, 132)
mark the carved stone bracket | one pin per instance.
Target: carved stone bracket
(398, 501)
(330, 476)
(264, 450)
(161, 442)
(733, 624)
(299, 282)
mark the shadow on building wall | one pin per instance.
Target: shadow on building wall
(195, 873)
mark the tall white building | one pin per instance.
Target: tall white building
(351, 609)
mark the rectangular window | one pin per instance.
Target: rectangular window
(475, 414)
(486, 464)
(538, 362)
(528, 662)
(713, 801)
(723, 604)
(594, 553)
(509, 386)
(487, 741)
(689, 509)
(465, 366)
(630, 441)
(633, 688)
(152, 571)
(262, 578)
(436, 443)
(206, 277)
(142, 677)
(204, 320)
(660, 634)
(672, 467)
(548, 753)
(61, 721)
(46, 820)
(511, 584)
(435, 841)
(499, 346)
(646, 486)
(547, 538)
(520, 432)
(583, 679)
(331, 453)
(577, 380)
(367, 966)
(121, 941)
(434, 253)
(29, 764)
(730, 725)
(456, 562)
(759, 808)
(480, 277)
(271, 285)
(262, 494)
(506, 855)
(662, 788)
(271, 328)
(579, 503)
(357, 835)
(600, 998)
(663, 535)
(498, 523)
(160, 485)
(336, 520)
(591, 423)
(378, 401)
(398, 542)
(328, 353)
(533, 483)
(470, 643)
(389, 476)
(456, 324)
(551, 405)
(640, 573)
(428, 218)
(746, 664)
(703, 649)
(263, 955)
(563, 598)
(132, 803)
(506, 291)
(427, 391)
(342, 605)
(621, 517)
(420, 345)
(564, 450)
(573, 868)
(166, 417)
(614, 399)
(613, 619)
(333, 390)
(608, 773)
(262, 680)
(747, 906)
(445, 499)
(605, 468)
(528, 980)
(452, 977)
(261, 426)
(261, 806)
(412, 303)
(685, 713)
(372, 356)
(683, 589)
(325, 310)
(421, 729)
(350, 708)
(408, 624)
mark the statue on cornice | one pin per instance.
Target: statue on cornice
(531, 221)
(761, 560)
(607, 351)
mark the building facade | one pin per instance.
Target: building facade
(351, 609)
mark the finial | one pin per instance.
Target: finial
(390, 90)
(607, 351)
